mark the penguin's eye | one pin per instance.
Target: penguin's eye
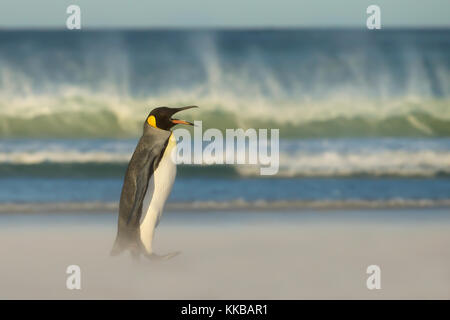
(152, 121)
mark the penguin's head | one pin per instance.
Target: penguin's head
(161, 117)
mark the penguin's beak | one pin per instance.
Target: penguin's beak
(177, 121)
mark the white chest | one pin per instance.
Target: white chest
(158, 190)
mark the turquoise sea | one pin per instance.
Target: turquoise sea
(364, 117)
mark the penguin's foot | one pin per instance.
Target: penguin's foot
(167, 256)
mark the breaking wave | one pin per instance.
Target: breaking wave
(298, 158)
(307, 83)
(97, 117)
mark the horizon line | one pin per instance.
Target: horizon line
(221, 28)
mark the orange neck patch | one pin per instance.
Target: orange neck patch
(152, 121)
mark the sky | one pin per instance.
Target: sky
(223, 14)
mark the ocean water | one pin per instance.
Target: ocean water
(364, 117)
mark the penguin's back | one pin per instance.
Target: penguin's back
(144, 162)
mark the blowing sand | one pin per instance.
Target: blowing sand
(232, 255)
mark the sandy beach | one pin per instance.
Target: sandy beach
(310, 254)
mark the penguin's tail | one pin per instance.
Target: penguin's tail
(124, 243)
(117, 248)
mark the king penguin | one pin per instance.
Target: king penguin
(147, 184)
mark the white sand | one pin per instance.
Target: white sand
(232, 255)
